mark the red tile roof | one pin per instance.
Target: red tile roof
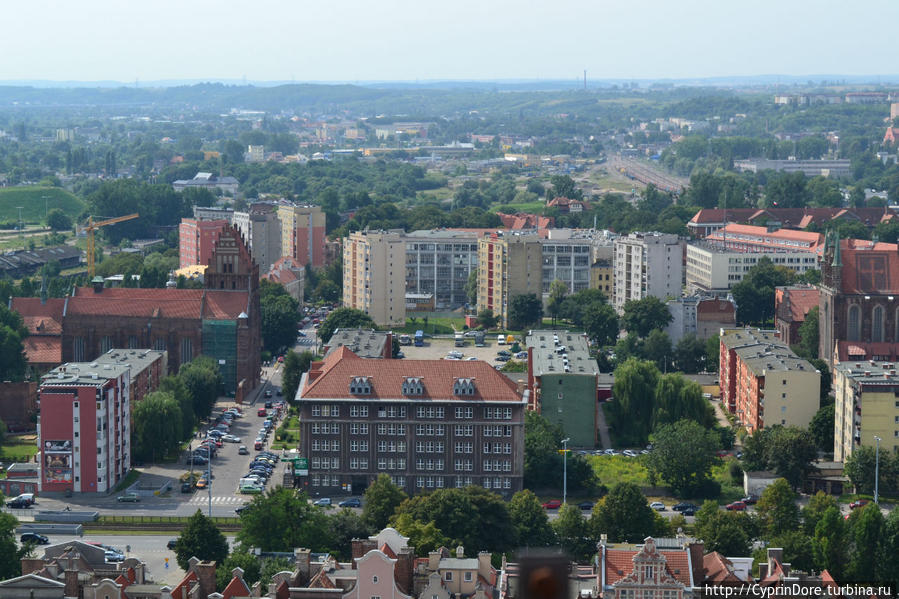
(717, 568)
(331, 378)
(798, 218)
(800, 300)
(43, 350)
(619, 563)
(524, 220)
(42, 325)
(236, 588)
(185, 584)
(869, 267)
(859, 351)
(32, 306)
(713, 309)
(762, 238)
(214, 304)
(386, 550)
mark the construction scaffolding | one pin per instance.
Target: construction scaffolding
(220, 343)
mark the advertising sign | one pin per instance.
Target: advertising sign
(57, 457)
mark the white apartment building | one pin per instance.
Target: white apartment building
(374, 265)
(713, 269)
(261, 228)
(647, 264)
(439, 262)
(568, 261)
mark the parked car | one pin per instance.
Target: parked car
(186, 487)
(33, 537)
(268, 393)
(171, 544)
(261, 412)
(503, 358)
(629, 453)
(252, 489)
(351, 502)
(684, 505)
(750, 499)
(202, 483)
(586, 505)
(688, 512)
(323, 502)
(736, 506)
(258, 444)
(503, 352)
(552, 504)
(18, 503)
(658, 506)
(114, 556)
(500, 339)
(242, 450)
(858, 503)
(521, 355)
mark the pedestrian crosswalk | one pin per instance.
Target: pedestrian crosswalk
(201, 499)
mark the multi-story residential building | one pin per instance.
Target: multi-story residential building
(703, 317)
(303, 234)
(562, 379)
(647, 264)
(84, 429)
(261, 229)
(602, 277)
(429, 424)
(255, 154)
(791, 305)
(148, 368)
(508, 265)
(196, 238)
(213, 213)
(439, 262)
(566, 260)
(374, 268)
(859, 297)
(809, 168)
(866, 407)
(719, 262)
(763, 382)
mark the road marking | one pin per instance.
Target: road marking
(216, 499)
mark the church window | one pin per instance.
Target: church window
(877, 324)
(852, 329)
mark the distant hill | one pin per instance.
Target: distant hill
(34, 201)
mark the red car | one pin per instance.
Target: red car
(737, 506)
(262, 412)
(858, 503)
(552, 504)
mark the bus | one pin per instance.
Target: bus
(419, 338)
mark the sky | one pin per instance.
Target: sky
(407, 40)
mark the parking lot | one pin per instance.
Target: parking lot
(438, 348)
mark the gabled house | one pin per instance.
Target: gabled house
(647, 572)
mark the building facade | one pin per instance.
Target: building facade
(439, 262)
(374, 268)
(866, 407)
(647, 264)
(196, 238)
(602, 277)
(261, 229)
(508, 265)
(84, 428)
(763, 382)
(791, 306)
(303, 234)
(429, 424)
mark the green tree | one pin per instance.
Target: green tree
(13, 362)
(202, 539)
(59, 220)
(382, 498)
(808, 335)
(600, 322)
(712, 353)
(634, 404)
(524, 310)
(623, 515)
(272, 566)
(866, 528)
(178, 390)
(777, 509)
(643, 316)
(830, 543)
(888, 570)
(728, 533)
(343, 527)
(683, 454)
(424, 536)
(572, 533)
(471, 516)
(344, 318)
(326, 291)
(678, 398)
(238, 559)
(203, 381)
(294, 366)
(486, 318)
(471, 287)
(690, 354)
(797, 549)
(657, 348)
(753, 294)
(530, 520)
(279, 321)
(787, 451)
(812, 513)
(557, 292)
(157, 426)
(282, 519)
(861, 465)
(821, 427)
(10, 553)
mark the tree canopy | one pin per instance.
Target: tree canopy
(644, 315)
(202, 539)
(344, 318)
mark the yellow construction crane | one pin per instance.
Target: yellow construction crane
(93, 226)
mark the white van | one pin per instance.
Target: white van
(500, 339)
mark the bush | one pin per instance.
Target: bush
(736, 473)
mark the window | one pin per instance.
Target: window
(877, 324)
(448, 576)
(852, 329)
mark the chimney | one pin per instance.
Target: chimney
(775, 554)
(697, 550)
(302, 557)
(484, 564)
(360, 547)
(403, 570)
(30, 565)
(460, 552)
(206, 579)
(97, 283)
(71, 582)
(433, 560)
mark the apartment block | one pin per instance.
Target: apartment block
(700, 316)
(439, 261)
(374, 268)
(508, 265)
(647, 264)
(303, 234)
(196, 238)
(763, 382)
(867, 406)
(261, 229)
(429, 424)
(84, 429)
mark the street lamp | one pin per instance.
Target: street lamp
(565, 469)
(876, 467)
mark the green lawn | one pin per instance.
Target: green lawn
(18, 449)
(530, 207)
(614, 469)
(32, 201)
(436, 325)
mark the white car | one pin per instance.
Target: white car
(230, 439)
(657, 506)
(455, 354)
(629, 453)
(470, 359)
(500, 339)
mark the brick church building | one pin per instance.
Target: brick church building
(221, 321)
(859, 300)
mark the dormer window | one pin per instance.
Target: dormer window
(463, 387)
(412, 386)
(360, 385)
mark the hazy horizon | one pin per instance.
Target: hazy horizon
(96, 41)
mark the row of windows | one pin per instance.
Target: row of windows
(326, 428)
(391, 447)
(422, 464)
(422, 430)
(437, 412)
(504, 448)
(391, 463)
(325, 445)
(498, 413)
(429, 447)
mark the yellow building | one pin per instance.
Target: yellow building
(374, 275)
(508, 265)
(866, 407)
(602, 277)
(303, 234)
